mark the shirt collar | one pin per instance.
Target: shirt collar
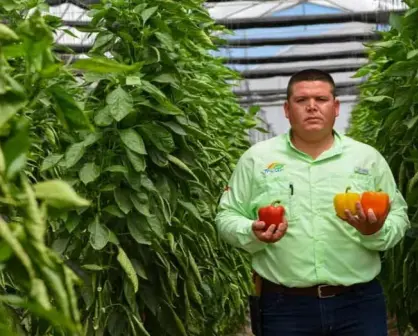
(336, 149)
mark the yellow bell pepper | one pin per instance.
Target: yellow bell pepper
(345, 201)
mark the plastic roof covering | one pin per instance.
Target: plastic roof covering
(272, 112)
(244, 9)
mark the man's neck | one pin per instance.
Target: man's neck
(313, 146)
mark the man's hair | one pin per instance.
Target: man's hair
(310, 75)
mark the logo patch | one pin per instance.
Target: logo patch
(274, 167)
(362, 171)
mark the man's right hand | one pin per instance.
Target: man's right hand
(271, 235)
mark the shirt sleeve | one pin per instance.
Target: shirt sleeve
(397, 221)
(234, 218)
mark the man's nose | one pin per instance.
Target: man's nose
(311, 105)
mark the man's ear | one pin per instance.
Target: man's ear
(286, 109)
(337, 107)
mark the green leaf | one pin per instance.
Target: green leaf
(411, 122)
(137, 228)
(89, 173)
(99, 234)
(138, 161)
(123, 200)
(72, 222)
(181, 165)
(92, 138)
(141, 203)
(103, 117)
(117, 169)
(59, 194)
(120, 103)
(165, 78)
(94, 267)
(139, 269)
(175, 127)
(165, 39)
(9, 109)
(133, 80)
(74, 153)
(171, 322)
(104, 65)
(51, 161)
(191, 209)
(378, 99)
(15, 150)
(412, 54)
(114, 211)
(6, 34)
(156, 225)
(128, 268)
(132, 140)
(147, 13)
(5, 252)
(69, 111)
(159, 136)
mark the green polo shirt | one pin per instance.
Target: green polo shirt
(319, 247)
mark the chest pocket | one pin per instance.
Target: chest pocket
(360, 183)
(278, 187)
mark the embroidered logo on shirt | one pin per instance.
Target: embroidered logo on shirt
(362, 171)
(274, 167)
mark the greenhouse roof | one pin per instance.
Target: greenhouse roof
(245, 9)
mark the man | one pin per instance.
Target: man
(318, 271)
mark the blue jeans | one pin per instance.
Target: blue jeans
(361, 312)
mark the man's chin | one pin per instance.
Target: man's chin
(313, 128)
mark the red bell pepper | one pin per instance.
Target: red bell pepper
(272, 214)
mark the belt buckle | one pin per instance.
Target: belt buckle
(320, 295)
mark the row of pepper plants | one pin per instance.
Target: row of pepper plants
(386, 117)
(112, 171)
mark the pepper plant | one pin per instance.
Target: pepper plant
(386, 117)
(163, 133)
(36, 284)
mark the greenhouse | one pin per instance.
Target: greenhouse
(128, 128)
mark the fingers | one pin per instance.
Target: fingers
(360, 212)
(371, 216)
(258, 225)
(352, 219)
(280, 232)
(273, 233)
(268, 234)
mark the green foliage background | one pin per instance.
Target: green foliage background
(386, 117)
(150, 138)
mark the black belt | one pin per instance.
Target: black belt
(321, 291)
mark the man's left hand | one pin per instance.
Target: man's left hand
(366, 224)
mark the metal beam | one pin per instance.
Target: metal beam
(244, 93)
(297, 58)
(277, 41)
(282, 98)
(373, 17)
(268, 73)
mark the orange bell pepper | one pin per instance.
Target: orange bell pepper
(378, 201)
(345, 201)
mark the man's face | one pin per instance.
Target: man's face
(311, 107)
